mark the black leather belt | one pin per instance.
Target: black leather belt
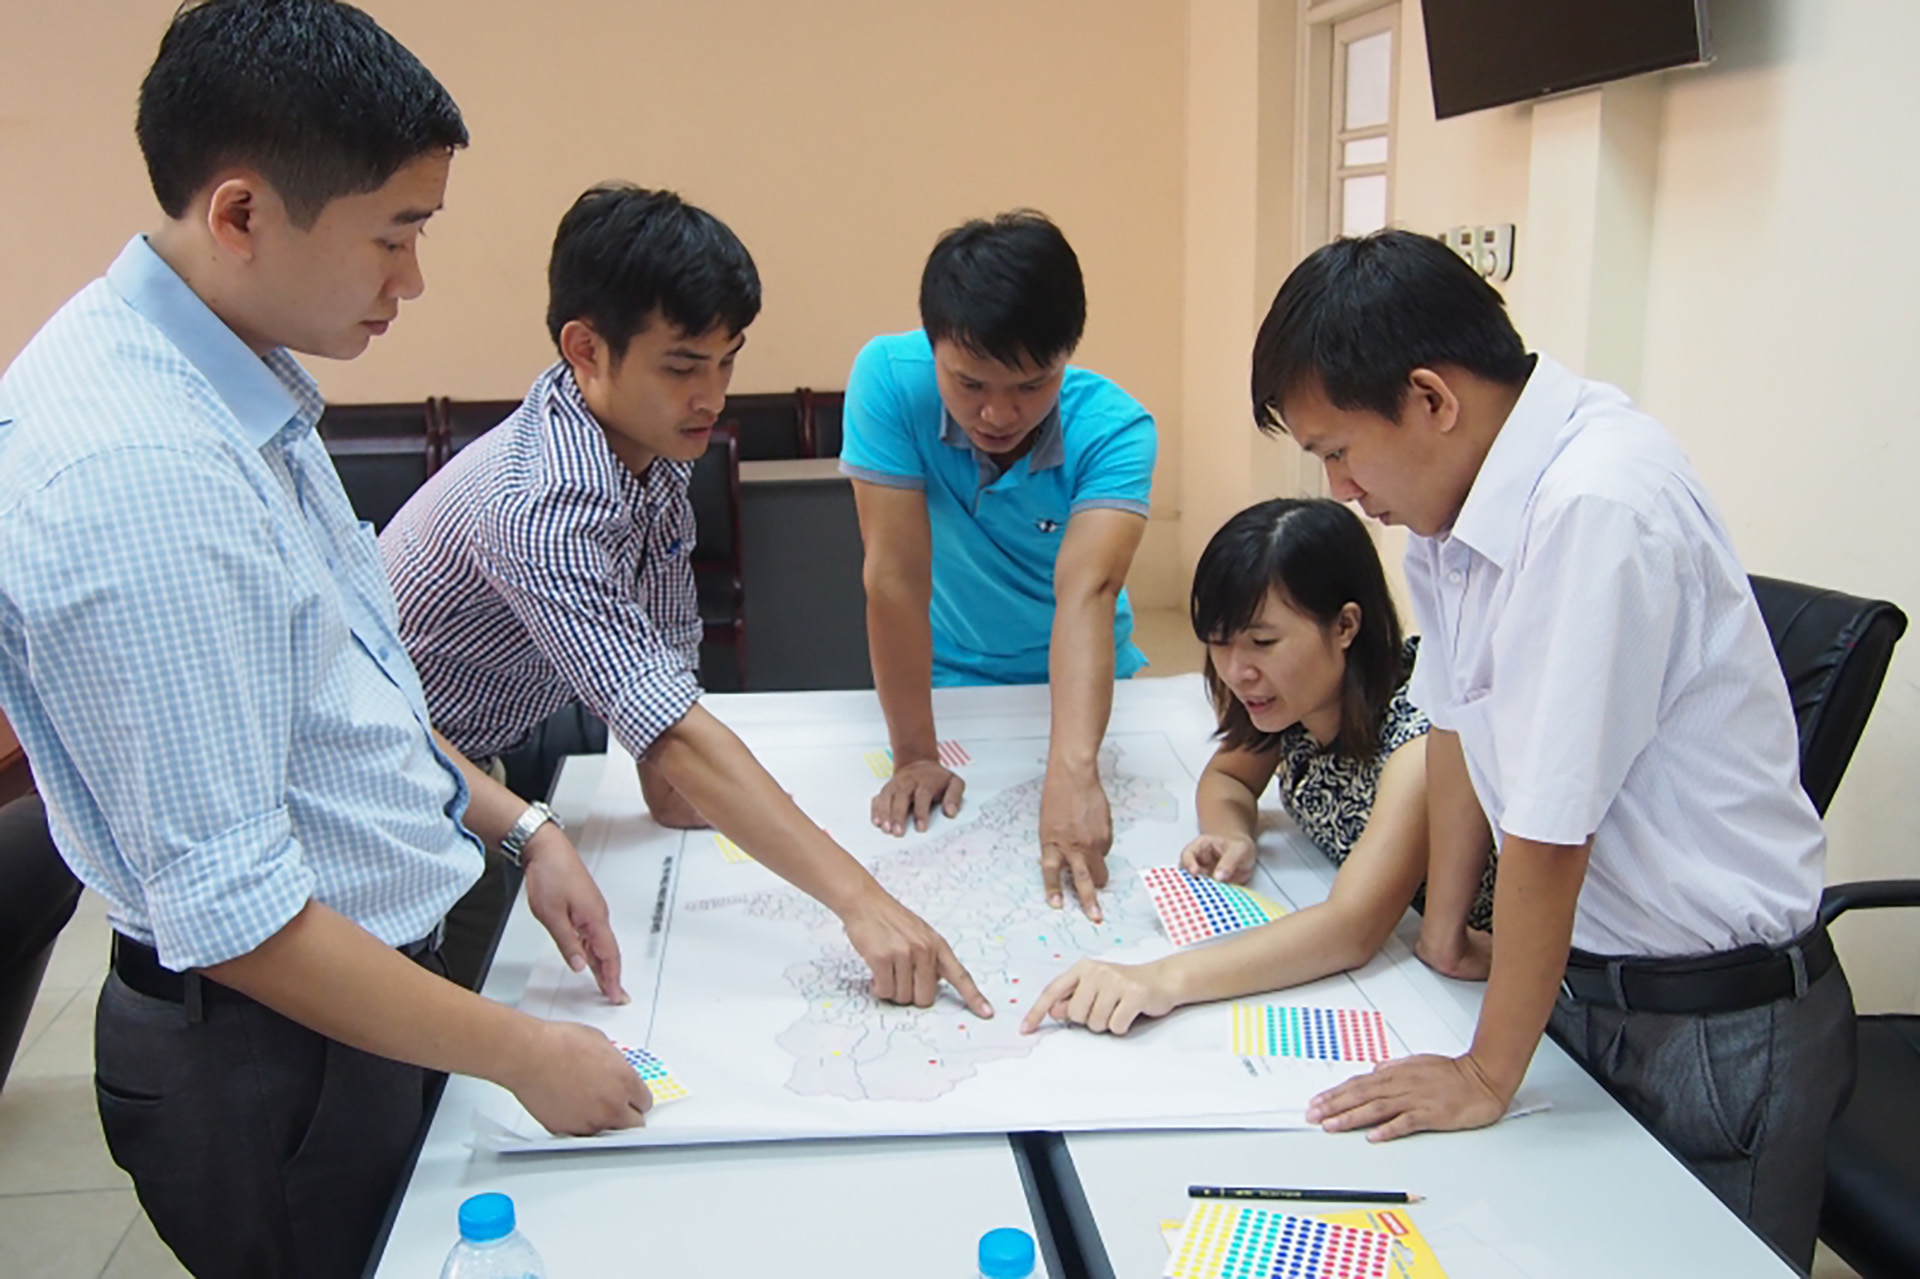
(138, 965)
(1722, 983)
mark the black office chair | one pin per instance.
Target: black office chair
(37, 897)
(1834, 650)
(715, 494)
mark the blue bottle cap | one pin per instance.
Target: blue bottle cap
(1006, 1253)
(488, 1217)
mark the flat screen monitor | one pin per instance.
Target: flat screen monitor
(1487, 53)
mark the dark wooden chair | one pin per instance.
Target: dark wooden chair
(715, 493)
(822, 412)
(770, 427)
(382, 452)
(464, 421)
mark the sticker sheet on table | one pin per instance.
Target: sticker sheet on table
(1317, 1034)
(1194, 909)
(659, 1080)
(952, 755)
(1232, 1241)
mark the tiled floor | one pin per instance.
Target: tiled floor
(67, 1213)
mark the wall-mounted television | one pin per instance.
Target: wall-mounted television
(1488, 53)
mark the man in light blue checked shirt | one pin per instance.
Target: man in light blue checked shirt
(199, 651)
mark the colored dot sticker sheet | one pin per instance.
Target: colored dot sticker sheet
(659, 1080)
(1232, 1241)
(1194, 909)
(1316, 1034)
(952, 754)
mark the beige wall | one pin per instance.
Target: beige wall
(1774, 323)
(838, 137)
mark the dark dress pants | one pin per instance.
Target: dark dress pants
(1744, 1099)
(259, 1149)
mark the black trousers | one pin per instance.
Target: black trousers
(1744, 1099)
(259, 1149)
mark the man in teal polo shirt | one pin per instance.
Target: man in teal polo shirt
(1002, 495)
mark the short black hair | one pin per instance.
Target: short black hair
(1316, 553)
(312, 93)
(1360, 315)
(624, 254)
(1008, 289)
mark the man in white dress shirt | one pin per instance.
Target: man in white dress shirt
(1607, 708)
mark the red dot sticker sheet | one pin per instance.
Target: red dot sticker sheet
(1194, 909)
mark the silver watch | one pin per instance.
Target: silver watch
(514, 842)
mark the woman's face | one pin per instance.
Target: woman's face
(1287, 668)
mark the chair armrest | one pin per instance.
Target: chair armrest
(1867, 894)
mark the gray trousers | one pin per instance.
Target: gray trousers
(259, 1149)
(1744, 1099)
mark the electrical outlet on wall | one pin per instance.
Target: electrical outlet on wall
(1487, 249)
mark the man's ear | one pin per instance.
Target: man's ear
(583, 348)
(1431, 399)
(233, 214)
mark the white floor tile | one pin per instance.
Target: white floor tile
(65, 1046)
(47, 1005)
(80, 956)
(50, 1139)
(63, 1236)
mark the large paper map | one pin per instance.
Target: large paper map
(750, 990)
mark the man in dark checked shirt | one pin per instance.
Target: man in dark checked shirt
(549, 561)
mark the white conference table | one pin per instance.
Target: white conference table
(1579, 1189)
(845, 1209)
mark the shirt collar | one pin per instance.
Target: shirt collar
(266, 395)
(1049, 447)
(582, 430)
(1490, 519)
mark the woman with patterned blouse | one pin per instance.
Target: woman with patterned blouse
(1308, 672)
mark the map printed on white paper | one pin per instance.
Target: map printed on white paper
(754, 993)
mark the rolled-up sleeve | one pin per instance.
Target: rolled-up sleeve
(552, 558)
(162, 663)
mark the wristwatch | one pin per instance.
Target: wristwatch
(514, 842)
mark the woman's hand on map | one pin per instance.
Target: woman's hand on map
(1107, 998)
(1076, 830)
(563, 897)
(912, 792)
(907, 956)
(1227, 858)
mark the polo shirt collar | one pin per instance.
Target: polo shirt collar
(1049, 448)
(266, 395)
(1489, 521)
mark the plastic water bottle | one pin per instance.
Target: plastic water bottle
(1006, 1253)
(489, 1247)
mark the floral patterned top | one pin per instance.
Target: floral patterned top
(1330, 796)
